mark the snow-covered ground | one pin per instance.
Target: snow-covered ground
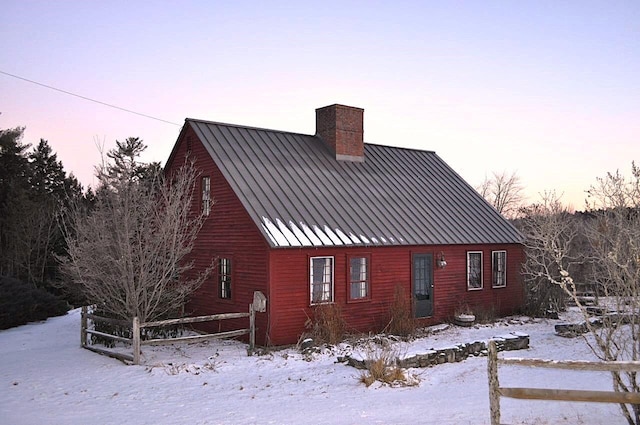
(46, 378)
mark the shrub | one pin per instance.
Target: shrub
(327, 325)
(22, 303)
(402, 322)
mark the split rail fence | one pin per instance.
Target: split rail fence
(496, 391)
(136, 327)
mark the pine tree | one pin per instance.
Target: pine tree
(14, 200)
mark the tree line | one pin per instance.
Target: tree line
(35, 190)
(121, 246)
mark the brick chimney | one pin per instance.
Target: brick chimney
(341, 128)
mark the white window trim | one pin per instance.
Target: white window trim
(469, 287)
(493, 268)
(332, 283)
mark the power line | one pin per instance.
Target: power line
(87, 98)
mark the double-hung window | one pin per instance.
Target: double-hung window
(474, 270)
(224, 278)
(321, 279)
(206, 195)
(358, 278)
(499, 268)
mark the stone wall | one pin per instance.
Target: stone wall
(456, 353)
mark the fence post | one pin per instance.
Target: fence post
(252, 329)
(83, 326)
(494, 384)
(136, 340)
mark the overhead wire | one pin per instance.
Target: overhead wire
(87, 98)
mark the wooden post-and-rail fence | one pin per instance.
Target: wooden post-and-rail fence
(496, 391)
(258, 305)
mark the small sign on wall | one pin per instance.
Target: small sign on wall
(259, 302)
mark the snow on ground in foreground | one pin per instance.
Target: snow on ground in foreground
(46, 378)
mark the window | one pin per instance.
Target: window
(499, 268)
(474, 270)
(224, 278)
(206, 195)
(321, 279)
(358, 278)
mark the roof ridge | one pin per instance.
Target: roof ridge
(400, 147)
(248, 127)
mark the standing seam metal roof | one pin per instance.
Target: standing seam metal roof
(298, 194)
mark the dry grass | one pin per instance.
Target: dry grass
(402, 322)
(328, 325)
(382, 367)
(485, 314)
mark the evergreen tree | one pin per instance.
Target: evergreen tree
(50, 192)
(14, 200)
(34, 190)
(47, 177)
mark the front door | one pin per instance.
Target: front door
(422, 284)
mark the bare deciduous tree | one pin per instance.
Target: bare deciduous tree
(613, 254)
(551, 232)
(128, 254)
(504, 191)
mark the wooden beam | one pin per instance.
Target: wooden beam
(119, 356)
(228, 334)
(136, 340)
(621, 366)
(570, 395)
(83, 326)
(194, 319)
(104, 335)
(494, 385)
(252, 329)
(107, 320)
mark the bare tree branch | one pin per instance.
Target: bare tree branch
(129, 254)
(504, 191)
(611, 228)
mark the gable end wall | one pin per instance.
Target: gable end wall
(227, 232)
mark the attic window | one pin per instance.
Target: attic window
(321, 279)
(206, 195)
(224, 278)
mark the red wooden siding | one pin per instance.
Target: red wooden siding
(227, 232)
(389, 266)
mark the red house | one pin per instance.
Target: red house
(327, 218)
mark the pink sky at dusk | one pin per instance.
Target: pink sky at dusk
(547, 89)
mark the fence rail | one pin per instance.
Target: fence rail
(496, 391)
(136, 328)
